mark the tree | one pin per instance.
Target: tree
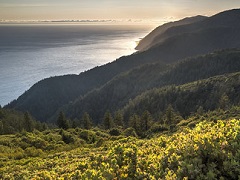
(86, 121)
(62, 121)
(169, 114)
(108, 120)
(74, 123)
(200, 110)
(1, 128)
(134, 122)
(28, 122)
(118, 118)
(1, 113)
(146, 120)
(224, 101)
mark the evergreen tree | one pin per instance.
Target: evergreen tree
(146, 120)
(62, 121)
(108, 120)
(134, 122)
(28, 122)
(1, 128)
(200, 110)
(1, 113)
(86, 121)
(169, 114)
(44, 126)
(74, 124)
(118, 119)
(224, 101)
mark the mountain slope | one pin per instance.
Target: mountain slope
(147, 41)
(47, 96)
(117, 92)
(209, 94)
(225, 19)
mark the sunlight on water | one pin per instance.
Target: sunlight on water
(29, 54)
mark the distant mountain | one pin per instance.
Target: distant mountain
(46, 97)
(227, 19)
(150, 39)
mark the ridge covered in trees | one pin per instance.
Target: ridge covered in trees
(117, 92)
(46, 98)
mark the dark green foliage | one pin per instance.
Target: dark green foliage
(130, 132)
(12, 121)
(169, 115)
(28, 122)
(62, 122)
(67, 137)
(135, 123)
(1, 127)
(224, 101)
(116, 93)
(108, 120)
(146, 121)
(33, 152)
(88, 135)
(115, 132)
(86, 121)
(187, 99)
(118, 119)
(158, 128)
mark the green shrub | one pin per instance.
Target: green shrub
(33, 152)
(102, 134)
(115, 132)
(130, 132)
(157, 128)
(68, 138)
(88, 135)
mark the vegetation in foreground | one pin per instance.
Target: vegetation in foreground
(209, 151)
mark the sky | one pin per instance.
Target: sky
(110, 9)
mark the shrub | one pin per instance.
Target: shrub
(88, 136)
(67, 137)
(33, 152)
(156, 128)
(130, 132)
(115, 132)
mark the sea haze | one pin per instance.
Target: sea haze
(29, 53)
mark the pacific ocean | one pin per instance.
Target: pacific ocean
(32, 52)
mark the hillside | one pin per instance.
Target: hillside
(46, 97)
(209, 151)
(12, 122)
(225, 19)
(209, 94)
(117, 92)
(147, 41)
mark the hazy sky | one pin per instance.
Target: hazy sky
(110, 9)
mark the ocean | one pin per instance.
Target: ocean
(32, 52)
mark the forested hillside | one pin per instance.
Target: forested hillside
(48, 96)
(169, 112)
(196, 24)
(12, 122)
(117, 92)
(148, 41)
(203, 95)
